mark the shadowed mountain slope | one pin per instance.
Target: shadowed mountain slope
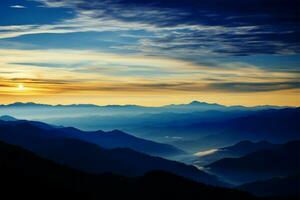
(91, 158)
(110, 139)
(25, 175)
(260, 165)
(240, 149)
(279, 186)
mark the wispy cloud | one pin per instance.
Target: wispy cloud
(255, 87)
(239, 28)
(18, 6)
(91, 71)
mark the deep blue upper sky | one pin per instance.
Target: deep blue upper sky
(223, 28)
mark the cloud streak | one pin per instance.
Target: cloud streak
(18, 6)
(239, 28)
(66, 71)
(198, 28)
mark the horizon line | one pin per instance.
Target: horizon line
(140, 105)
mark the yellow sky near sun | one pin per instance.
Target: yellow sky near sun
(68, 76)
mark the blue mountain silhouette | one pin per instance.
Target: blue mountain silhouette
(53, 144)
(282, 160)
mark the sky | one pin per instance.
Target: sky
(150, 52)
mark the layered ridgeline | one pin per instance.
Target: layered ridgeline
(200, 130)
(109, 139)
(263, 168)
(31, 110)
(191, 127)
(69, 147)
(25, 175)
(274, 161)
(234, 151)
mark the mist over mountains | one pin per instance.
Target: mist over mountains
(262, 164)
(44, 111)
(72, 149)
(191, 127)
(205, 143)
(111, 139)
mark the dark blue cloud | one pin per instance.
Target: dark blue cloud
(254, 86)
(217, 12)
(189, 27)
(275, 23)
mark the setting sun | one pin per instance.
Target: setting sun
(21, 87)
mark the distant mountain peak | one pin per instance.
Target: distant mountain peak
(264, 142)
(117, 132)
(201, 103)
(26, 104)
(22, 103)
(244, 142)
(7, 118)
(197, 103)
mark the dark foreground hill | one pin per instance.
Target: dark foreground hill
(27, 176)
(279, 186)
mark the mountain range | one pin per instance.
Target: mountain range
(110, 139)
(25, 175)
(42, 111)
(285, 187)
(237, 150)
(192, 127)
(275, 125)
(193, 105)
(230, 146)
(59, 145)
(282, 160)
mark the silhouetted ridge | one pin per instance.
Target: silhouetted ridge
(111, 139)
(282, 160)
(247, 146)
(239, 149)
(7, 118)
(57, 145)
(278, 186)
(27, 176)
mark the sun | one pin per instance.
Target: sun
(21, 87)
